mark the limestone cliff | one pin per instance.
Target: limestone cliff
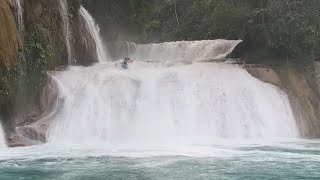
(9, 39)
(9, 47)
(23, 77)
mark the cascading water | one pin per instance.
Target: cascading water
(121, 49)
(162, 103)
(167, 117)
(66, 25)
(94, 31)
(174, 51)
(2, 138)
(17, 5)
(185, 50)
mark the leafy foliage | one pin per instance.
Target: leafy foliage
(289, 27)
(292, 26)
(43, 49)
(38, 48)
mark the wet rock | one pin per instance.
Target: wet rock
(303, 91)
(18, 141)
(84, 44)
(266, 75)
(34, 128)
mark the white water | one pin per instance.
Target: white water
(66, 25)
(185, 50)
(298, 159)
(169, 104)
(94, 31)
(17, 4)
(2, 138)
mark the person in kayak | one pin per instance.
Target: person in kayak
(124, 63)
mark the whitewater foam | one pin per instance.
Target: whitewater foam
(167, 98)
(184, 50)
(2, 138)
(155, 105)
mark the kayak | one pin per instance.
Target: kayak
(124, 66)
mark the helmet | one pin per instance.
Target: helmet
(127, 58)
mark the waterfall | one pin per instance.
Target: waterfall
(162, 103)
(66, 27)
(119, 50)
(17, 5)
(2, 138)
(185, 50)
(94, 31)
(174, 51)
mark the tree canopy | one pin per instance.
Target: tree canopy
(289, 27)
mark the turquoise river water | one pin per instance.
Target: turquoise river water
(292, 159)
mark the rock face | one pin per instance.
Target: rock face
(303, 90)
(9, 39)
(22, 85)
(266, 75)
(28, 100)
(34, 128)
(84, 45)
(44, 38)
(23, 80)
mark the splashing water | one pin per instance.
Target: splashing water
(185, 50)
(167, 120)
(168, 103)
(175, 51)
(2, 138)
(94, 31)
(121, 49)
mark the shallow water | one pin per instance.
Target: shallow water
(293, 159)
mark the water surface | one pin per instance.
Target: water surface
(294, 159)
